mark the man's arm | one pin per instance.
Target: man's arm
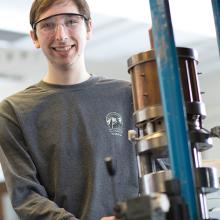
(29, 198)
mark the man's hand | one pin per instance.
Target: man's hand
(108, 218)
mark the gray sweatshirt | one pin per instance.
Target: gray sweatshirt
(53, 141)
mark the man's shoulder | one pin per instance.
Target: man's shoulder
(106, 81)
(20, 97)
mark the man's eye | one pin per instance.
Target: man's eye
(71, 22)
(48, 25)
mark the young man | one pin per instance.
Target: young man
(55, 135)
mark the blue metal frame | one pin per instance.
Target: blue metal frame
(173, 103)
(216, 13)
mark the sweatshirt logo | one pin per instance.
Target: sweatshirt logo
(114, 123)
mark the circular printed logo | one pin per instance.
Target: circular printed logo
(114, 123)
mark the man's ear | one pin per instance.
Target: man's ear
(89, 29)
(34, 39)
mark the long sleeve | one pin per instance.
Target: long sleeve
(29, 198)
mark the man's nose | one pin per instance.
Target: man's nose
(61, 32)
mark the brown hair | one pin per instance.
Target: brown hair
(40, 6)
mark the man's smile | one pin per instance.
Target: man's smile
(63, 48)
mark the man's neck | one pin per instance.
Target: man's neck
(66, 76)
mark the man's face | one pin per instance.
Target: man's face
(62, 38)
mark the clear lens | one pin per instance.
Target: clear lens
(69, 21)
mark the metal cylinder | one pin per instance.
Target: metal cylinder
(145, 84)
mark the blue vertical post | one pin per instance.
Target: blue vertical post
(173, 103)
(216, 13)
